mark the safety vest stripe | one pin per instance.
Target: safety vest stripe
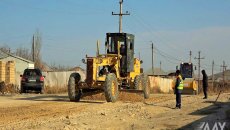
(181, 85)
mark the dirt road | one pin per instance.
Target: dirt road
(34, 111)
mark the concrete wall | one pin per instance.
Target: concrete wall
(60, 79)
(162, 85)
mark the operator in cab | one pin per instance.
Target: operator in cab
(103, 71)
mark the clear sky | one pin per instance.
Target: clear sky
(70, 29)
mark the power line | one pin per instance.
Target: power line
(146, 27)
(166, 58)
(149, 28)
(164, 55)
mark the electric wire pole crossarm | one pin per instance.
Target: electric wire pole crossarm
(120, 16)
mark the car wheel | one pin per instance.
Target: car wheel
(22, 90)
(42, 90)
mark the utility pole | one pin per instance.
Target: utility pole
(160, 66)
(190, 56)
(33, 48)
(120, 16)
(152, 59)
(213, 73)
(224, 68)
(199, 58)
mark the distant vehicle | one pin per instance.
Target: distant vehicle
(32, 79)
(187, 72)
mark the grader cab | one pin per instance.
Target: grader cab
(115, 71)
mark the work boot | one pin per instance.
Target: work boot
(176, 107)
(179, 106)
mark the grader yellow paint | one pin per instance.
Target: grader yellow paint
(111, 72)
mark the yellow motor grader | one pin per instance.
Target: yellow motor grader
(115, 71)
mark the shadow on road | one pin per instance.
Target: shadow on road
(44, 98)
(155, 104)
(54, 98)
(214, 116)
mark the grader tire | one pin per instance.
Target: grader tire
(138, 82)
(146, 87)
(111, 88)
(73, 90)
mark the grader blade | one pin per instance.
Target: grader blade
(132, 91)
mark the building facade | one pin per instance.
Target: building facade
(13, 66)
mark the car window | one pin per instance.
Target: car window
(32, 72)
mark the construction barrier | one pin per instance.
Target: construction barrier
(161, 85)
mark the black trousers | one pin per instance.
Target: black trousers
(205, 89)
(178, 99)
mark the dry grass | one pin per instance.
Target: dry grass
(8, 88)
(217, 87)
(13, 89)
(55, 89)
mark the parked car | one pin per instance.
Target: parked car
(32, 79)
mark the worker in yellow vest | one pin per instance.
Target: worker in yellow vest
(178, 89)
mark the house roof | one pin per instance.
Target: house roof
(5, 55)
